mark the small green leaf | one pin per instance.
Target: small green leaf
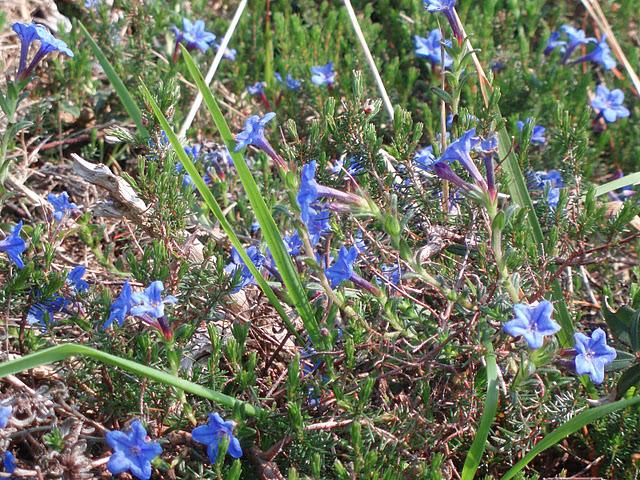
(443, 95)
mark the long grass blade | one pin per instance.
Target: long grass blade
(631, 179)
(125, 97)
(62, 352)
(213, 205)
(268, 226)
(568, 428)
(474, 455)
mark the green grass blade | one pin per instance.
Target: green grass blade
(213, 205)
(62, 352)
(474, 455)
(631, 179)
(268, 226)
(567, 428)
(125, 97)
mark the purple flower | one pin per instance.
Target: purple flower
(553, 43)
(537, 134)
(9, 462)
(212, 434)
(593, 354)
(253, 133)
(74, 278)
(323, 74)
(150, 302)
(193, 35)
(575, 37)
(342, 269)
(532, 322)
(608, 103)
(43, 312)
(257, 88)
(28, 33)
(237, 263)
(61, 205)
(5, 414)
(601, 54)
(430, 48)
(120, 307)
(446, 7)
(14, 246)
(460, 151)
(132, 451)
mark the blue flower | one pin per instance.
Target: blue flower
(150, 302)
(74, 278)
(323, 74)
(554, 42)
(293, 244)
(14, 246)
(424, 158)
(447, 8)
(292, 83)
(193, 152)
(550, 181)
(246, 277)
(120, 307)
(229, 53)
(257, 88)
(61, 205)
(460, 151)
(575, 37)
(253, 133)
(5, 414)
(392, 272)
(342, 269)
(91, 3)
(132, 451)
(9, 462)
(212, 434)
(28, 33)
(308, 192)
(532, 322)
(601, 54)
(430, 49)
(608, 103)
(318, 224)
(593, 354)
(43, 312)
(193, 35)
(537, 134)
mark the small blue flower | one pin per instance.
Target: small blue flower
(532, 322)
(550, 181)
(601, 54)
(575, 37)
(447, 8)
(150, 302)
(9, 462)
(28, 33)
(342, 269)
(74, 278)
(14, 246)
(293, 243)
(608, 103)
(193, 152)
(253, 133)
(424, 158)
(120, 307)
(593, 354)
(229, 53)
(308, 192)
(460, 151)
(323, 74)
(91, 3)
(292, 83)
(318, 224)
(257, 88)
(212, 434)
(430, 48)
(537, 134)
(61, 205)
(5, 414)
(246, 277)
(553, 43)
(43, 312)
(193, 35)
(132, 452)
(392, 272)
